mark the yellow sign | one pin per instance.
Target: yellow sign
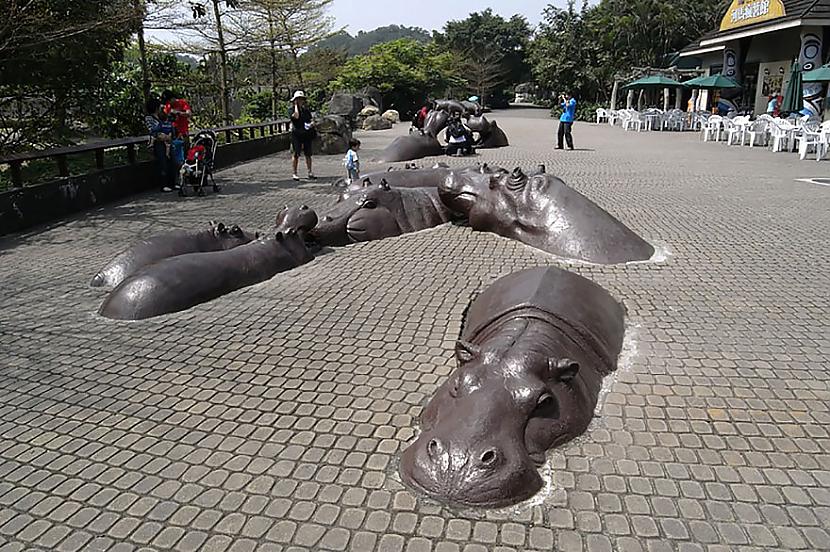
(746, 12)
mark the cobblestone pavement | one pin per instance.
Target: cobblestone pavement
(272, 419)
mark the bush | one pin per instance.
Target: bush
(586, 112)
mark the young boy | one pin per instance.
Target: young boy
(352, 161)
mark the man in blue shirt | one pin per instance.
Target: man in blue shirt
(566, 120)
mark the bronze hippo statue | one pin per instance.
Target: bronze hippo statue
(379, 211)
(435, 122)
(450, 106)
(531, 359)
(494, 137)
(217, 237)
(543, 212)
(410, 147)
(179, 283)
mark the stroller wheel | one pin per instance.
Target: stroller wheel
(201, 192)
(216, 188)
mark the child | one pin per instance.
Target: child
(163, 132)
(352, 161)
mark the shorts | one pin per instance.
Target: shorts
(301, 144)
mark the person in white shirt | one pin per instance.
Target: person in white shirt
(352, 161)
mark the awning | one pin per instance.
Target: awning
(712, 82)
(821, 74)
(654, 81)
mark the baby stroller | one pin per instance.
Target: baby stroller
(198, 164)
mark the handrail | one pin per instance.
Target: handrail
(15, 161)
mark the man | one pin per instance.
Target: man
(773, 106)
(178, 110)
(566, 120)
(302, 132)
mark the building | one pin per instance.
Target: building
(756, 43)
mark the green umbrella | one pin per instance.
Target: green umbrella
(654, 81)
(713, 82)
(793, 97)
(820, 74)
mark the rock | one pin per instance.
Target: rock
(392, 116)
(369, 110)
(345, 105)
(333, 135)
(372, 96)
(376, 122)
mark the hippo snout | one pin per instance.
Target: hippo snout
(481, 474)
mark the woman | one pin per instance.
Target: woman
(302, 132)
(161, 135)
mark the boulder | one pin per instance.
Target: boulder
(345, 105)
(392, 116)
(368, 111)
(376, 122)
(371, 96)
(333, 135)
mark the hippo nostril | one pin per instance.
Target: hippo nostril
(327, 219)
(433, 448)
(489, 457)
(304, 207)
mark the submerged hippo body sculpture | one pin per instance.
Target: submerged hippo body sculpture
(494, 137)
(380, 211)
(179, 283)
(408, 148)
(543, 212)
(217, 237)
(534, 350)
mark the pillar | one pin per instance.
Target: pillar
(641, 98)
(730, 98)
(665, 99)
(678, 99)
(614, 95)
(809, 58)
(629, 100)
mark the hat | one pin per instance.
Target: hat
(298, 94)
(473, 99)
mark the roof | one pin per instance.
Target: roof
(795, 10)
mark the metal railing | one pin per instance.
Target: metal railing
(61, 155)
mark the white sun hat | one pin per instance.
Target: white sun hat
(298, 94)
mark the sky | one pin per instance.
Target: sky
(428, 14)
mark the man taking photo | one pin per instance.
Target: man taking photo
(566, 121)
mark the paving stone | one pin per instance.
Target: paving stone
(273, 418)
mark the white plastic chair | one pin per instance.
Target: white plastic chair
(736, 127)
(602, 115)
(781, 131)
(613, 116)
(758, 131)
(712, 128)
(635, 121)
(813, 137)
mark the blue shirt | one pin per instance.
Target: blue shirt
(568, 111)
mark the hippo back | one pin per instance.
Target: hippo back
(407, 148)
(585, 310)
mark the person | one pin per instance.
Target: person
(421, 117)
(179, 111)
(302, 132)
(459, 137)
(161, 133)
(566, 120)
(352, 161)
(773, 106)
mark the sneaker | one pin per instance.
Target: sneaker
(311, 176)
(558, 147)
(167, 189)
(295, 177)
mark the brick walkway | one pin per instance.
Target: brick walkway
(271, 419)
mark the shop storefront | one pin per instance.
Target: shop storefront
(756, 43)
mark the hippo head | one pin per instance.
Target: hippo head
(231, 236)
(294, 243)
(331, 226)
(487, 428)
(375, 219)
(300, 219)
(463, 189)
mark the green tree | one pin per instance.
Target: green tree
(484, 36)
(405, 71)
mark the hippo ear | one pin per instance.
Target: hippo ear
(385, 185)
(236, 230)
(367, 182)
(466, 351)
(564, 369)
(256, 235)
(220, 228)
(279, 237)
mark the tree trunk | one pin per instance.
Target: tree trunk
(614, 93)
(295, 56)
(272, 39)
(142, 56)
(223, 62)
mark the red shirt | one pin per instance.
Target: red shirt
(182, 122)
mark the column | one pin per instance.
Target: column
(732, 68)
(809, 58)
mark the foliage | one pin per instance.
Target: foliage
(364, 40)
(488, 40)
(405, 71)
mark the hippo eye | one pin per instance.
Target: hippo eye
(369, 204)
(489, 457)
(454, 389)
(303, 207)
(545, 400)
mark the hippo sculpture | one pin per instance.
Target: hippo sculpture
(543, 212)
(179, 283)
(435, 122)
(531, 359)
(380, 211)
(410, 147)
(217, 237)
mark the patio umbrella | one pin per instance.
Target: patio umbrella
(820, 74)
(654, 81)
(793, 97)
(712, 82)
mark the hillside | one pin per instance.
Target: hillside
(360, 44)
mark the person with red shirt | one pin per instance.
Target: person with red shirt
(179, 110)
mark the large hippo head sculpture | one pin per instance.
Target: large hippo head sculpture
(299, 219)
(435, 122)
(533, 353)
(541, 211)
